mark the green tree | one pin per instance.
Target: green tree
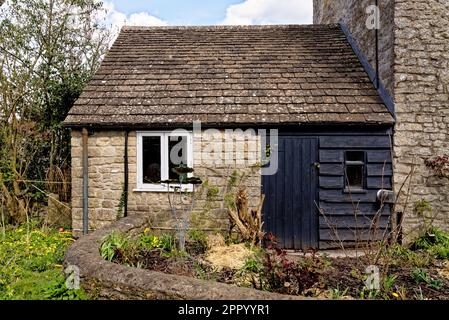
(48, 51)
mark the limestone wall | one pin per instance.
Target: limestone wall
(106, 180)
(353, 14)
(422, 101)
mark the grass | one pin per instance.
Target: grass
(31, 264)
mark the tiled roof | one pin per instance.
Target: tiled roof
(291, 74)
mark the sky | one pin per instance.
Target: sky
(207, 12)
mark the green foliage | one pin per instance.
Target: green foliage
(403, 256)
(388, 282)
(202, 271)
(253, 265)
(422, 276)
(422, 206)
(369, 294)
(31, 264)
(121, 204)
(164, 242)
(113, 244)
(50, 50)
(149, 242)
(198, 240)
(167, 242)
(337, 294)
(253, 273)
(212, 192)
(434, 241)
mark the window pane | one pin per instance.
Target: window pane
(354, 177)
(355, 156)
(177, 153)
(151, 159)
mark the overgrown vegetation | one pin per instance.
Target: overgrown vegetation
(435, 242)
(417, 272)
(48, 51)
(31, 264)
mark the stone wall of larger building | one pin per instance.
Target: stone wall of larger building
(421, 78)
(414, 53)
(106, 151)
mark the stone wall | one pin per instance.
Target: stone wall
(106, 180)
(414, 54)
(353, 14)
(421, 79)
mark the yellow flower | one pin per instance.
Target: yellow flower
(146, 230)
(395, 295)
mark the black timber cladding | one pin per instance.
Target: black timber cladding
(347, 215)
(320, 193)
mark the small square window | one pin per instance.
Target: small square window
(354, 170)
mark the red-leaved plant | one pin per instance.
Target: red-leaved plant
(439, 165)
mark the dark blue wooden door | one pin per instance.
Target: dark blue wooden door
(290, 211)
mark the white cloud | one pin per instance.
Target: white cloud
(118, 19)
(270, 12)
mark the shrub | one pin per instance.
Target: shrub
(435, 242)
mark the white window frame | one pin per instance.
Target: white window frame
(164, 135)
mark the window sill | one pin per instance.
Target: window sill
(162, 188)
(355, 191)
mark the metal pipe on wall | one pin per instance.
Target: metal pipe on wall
(126, 186)
(85, 137)
(377, 44)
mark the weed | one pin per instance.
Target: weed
(114, 244)
(356, 274)
(388, 282)
(366, 293)
(337, 294)
(401, 292)
(422, 276)
(198, 240)
(167, 242)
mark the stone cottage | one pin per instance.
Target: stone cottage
(300, 92)
(412, 59)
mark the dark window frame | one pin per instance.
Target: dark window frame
(363, 163)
